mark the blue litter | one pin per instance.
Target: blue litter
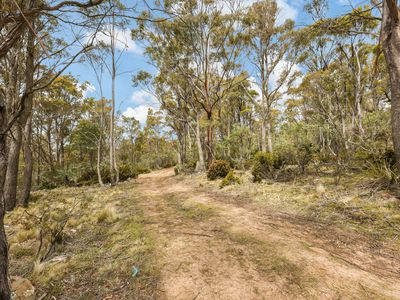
(135, 271)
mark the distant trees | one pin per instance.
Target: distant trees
(270, 50)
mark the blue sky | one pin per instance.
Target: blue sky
(134, 101)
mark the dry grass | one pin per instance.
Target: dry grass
(191, 209)
(351, 204)
(107, 215)
(100, 245)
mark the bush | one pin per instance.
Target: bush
(127, 172)
(230, 179)
(304, 155)
(218, 169)
(89, 176)
(383, 166)
(188, 167)
(53, 179)
(266, 166)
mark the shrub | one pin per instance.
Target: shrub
(89, 176)
(188, 167)
(127, 172)
(383, 166)
(304, 155)
(230, 179)
(218, 169)
(266, 166)
(142, 170)
(53, 179)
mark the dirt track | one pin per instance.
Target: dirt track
(214, 247)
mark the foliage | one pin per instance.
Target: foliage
(304, 155)
(230, 179)
(218, 169)
(50, 223)
(383, 166)
(127, 172)
(266, 166)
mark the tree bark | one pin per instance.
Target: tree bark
(263, 136)
(199, 145)
(28, 168)
(390, 36)
(210, 149)
(5, 293)
(269, 135)
(27, 117)
(11, 180)
(113, 163)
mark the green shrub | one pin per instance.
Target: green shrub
(218, 169)
(188, 167)
(127, 172)
(89, 176)
(304, 155)
(53, 179)
(142, 170)
(383, 166)
(265, 166)
(230, 179)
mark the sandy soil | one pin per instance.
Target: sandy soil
(212, 246)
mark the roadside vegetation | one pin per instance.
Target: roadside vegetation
(236, 99)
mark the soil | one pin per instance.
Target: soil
(215, 246)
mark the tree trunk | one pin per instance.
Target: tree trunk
(201, 166)
(48, 133)
(390, 35)
(113, 163)
(5, 293)
(98, 165)
(263, 136)
(269, 135)
(28, 168)
(11, 181)
(26, 117)
(210, 150)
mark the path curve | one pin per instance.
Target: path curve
(213, 247)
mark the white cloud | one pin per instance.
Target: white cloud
(139, 113)
(86, 89)
(123, 38)
(143, 100)
(143, 97)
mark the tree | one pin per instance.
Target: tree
(15, 19)
(390, 37)
(270, 48)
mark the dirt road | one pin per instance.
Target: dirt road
(214, 247)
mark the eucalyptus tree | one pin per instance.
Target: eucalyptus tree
(16, 18)
(271, 52)
(201, 42)
(390, 38)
